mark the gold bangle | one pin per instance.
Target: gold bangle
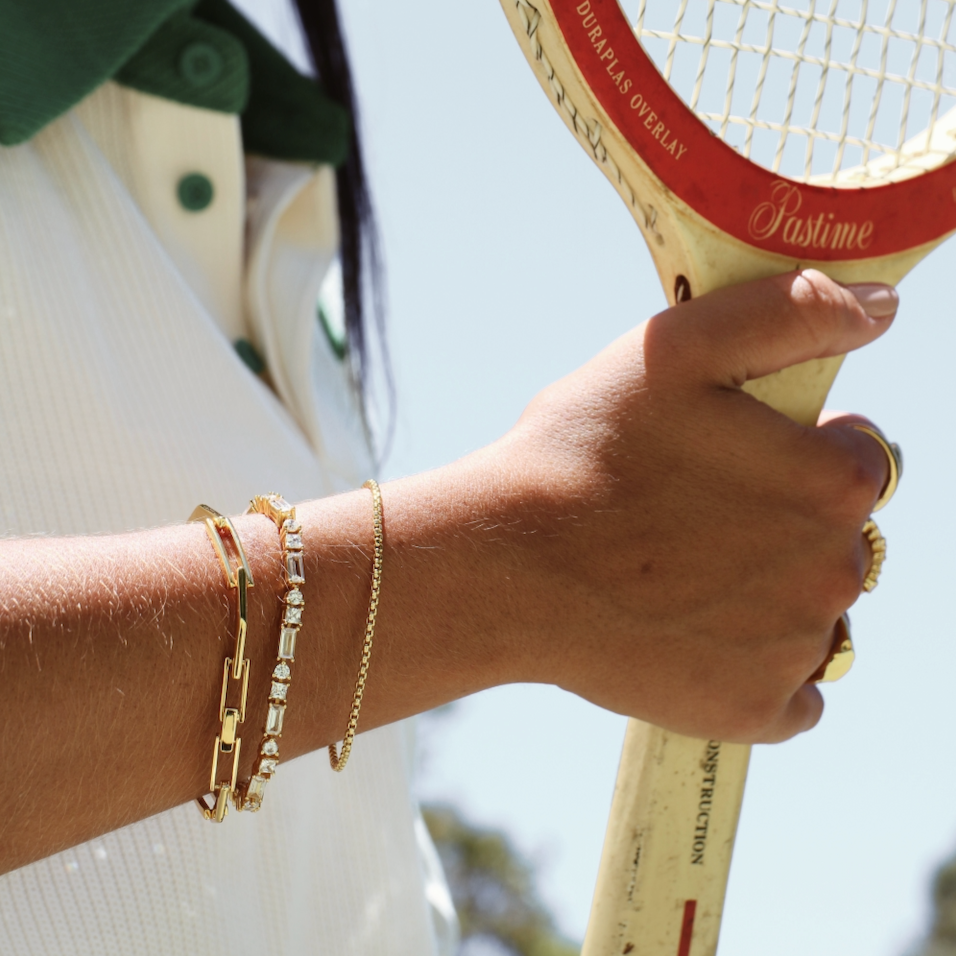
(235, 669)
(248, 795)
(339, 760)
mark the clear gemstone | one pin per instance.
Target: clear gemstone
(268, 765)
(274, 719)
(295, 567)
(293, 615)
(257, 786)
(291, 526)
(280, 504)
(282, 671)
(287, 643)
(278, 691)
(293, 542)
(270, 748)
(294, 597)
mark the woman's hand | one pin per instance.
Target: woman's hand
(667, 546)
(647, 536)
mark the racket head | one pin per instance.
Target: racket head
(834, 92)
(710, 215)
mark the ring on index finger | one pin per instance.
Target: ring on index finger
(894, 458)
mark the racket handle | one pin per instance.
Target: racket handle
(670, 837)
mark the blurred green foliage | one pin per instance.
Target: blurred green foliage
(941, 940)
(493, 888)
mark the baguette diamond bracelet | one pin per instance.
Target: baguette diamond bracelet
(248, 796)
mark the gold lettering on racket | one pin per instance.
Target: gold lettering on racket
(811, 231)
(705, 803)
(657, 127)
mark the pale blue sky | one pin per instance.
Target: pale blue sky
(511, 261)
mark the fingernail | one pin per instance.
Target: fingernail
(879, 301)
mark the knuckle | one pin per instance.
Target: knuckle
(812, 289)
(842, 483)
(859, 486)
(764, 718)
(753, 718)
(833, 585)
(666, 346)
(819, 303)
(804, 655)
(842, 587)
(832, 549)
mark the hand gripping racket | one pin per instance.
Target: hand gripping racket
(747, 138)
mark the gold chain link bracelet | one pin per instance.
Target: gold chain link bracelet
(339, 760)
(235, 670)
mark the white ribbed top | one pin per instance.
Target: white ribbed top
(123, 404)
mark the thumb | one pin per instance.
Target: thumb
(743, 332)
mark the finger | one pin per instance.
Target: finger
(837, 428)
(744, 332)
(802, 713)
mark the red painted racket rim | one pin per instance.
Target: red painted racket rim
(750, 203)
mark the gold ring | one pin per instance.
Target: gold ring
(878, 546)
(894, 458)
(841, 656)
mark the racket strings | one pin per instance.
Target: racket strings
(829, 90)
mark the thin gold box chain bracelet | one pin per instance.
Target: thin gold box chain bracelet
(336, 759)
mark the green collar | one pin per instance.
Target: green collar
(53, 53)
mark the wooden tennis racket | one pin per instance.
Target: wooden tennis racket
(747, 138)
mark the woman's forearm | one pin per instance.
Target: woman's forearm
(113, 649)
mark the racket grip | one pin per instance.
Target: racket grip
(670, 837)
